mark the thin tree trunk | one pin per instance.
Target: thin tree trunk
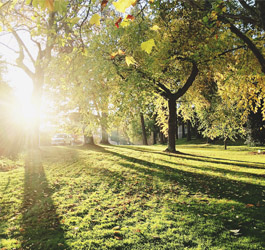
(161, 138)
(183, 129)
(188, 131)
(171, 125)
(225, 144)
(143, 129)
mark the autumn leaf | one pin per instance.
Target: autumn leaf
(117, 22)
(125, 23)
(118, 237)
(103, 4)
(148, 45)
(130, 60)
(130, 17)
(116, 228)
(250, 205)
(95, 19)
(155, 28)
(122, 5)
(121, 52)
(49, 4)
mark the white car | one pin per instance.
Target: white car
(62, 139)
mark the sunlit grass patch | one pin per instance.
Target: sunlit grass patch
(116, 197)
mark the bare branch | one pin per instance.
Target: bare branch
(22, 45)
(9, 47)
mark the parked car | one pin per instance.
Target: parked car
(62, 139)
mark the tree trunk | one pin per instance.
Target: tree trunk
(89, 140)
(171, 125)
(225, 144)
(177, 128)
(143, 129)
(161, 138)
(188, 131)
(183, 129)
(104, 134)
(34, 128)
(154, 137)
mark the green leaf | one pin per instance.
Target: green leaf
(148, 45)
(95, 19)
(205, 19)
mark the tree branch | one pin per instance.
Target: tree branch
(189, 81)
(247, 7)
(246, 40)
(22, 46)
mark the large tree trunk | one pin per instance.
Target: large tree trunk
(104, 134)
(177, 128)
(34, 133)
(171, 125)
(89, 140)
(143, 129)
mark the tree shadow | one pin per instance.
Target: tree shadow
(186, 156)
(218, 170)
(40, 227)
(236, 204)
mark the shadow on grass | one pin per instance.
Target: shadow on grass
(230, 208)
(210, 170)
(40, 227)
(186, 156)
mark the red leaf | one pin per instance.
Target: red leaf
(130, 17)
(117, 22)
(103, 4)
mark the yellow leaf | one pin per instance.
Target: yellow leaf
(130, 60)
(49, 4)
(121, 52)
(155, 28)
(125, 23)
(95, 19)
(122, 5)
(148, 45)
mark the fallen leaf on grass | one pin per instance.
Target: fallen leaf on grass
(250, 205)
(234, 231)
(116, 228)
(118, 237)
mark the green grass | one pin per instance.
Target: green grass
(132, 197)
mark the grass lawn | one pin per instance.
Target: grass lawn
(132, 197)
